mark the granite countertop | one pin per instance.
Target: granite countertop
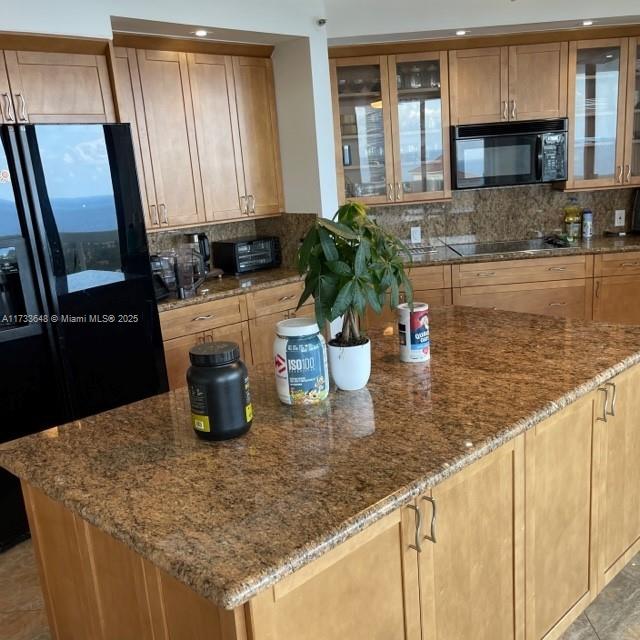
(229, 519)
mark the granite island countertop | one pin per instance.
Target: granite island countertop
(230, 519)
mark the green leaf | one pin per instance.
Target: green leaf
(338, 229)
(343, 300)
(340, 267)
(321, 314)
(395, 294)
(360, 262)
(373, 299)
(359, 298)
(310, 285)
(305, 250)
(328, 245)
(408, 288)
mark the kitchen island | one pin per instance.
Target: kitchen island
(445, 500)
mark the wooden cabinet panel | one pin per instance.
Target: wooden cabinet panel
(538, 81)
(7, 111)
(632, 122)
(558, 481)
(263, 333)
(268, 301)
(216, 122)
(519, 271)
(388, 319)
(616, 299)
(479, 85)
(470, 579)
(617, 264)
(59, 87)
(367, 587)
(170, 129)
(436, 277)
(564, 298)
(258, 134)
(202, 317)
(620, 476)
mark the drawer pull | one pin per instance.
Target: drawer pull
(418, 545)
(631, 264)
(604, 410)
(207, 317)
(557, 268)
(612, 411)
(431, 537)
(285, 298)
(557, 304)
(486, 274)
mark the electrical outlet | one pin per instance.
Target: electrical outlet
(620, 218)
(416, 235)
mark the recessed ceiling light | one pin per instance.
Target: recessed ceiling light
(201, 33)
(461, 32)
(587, 23)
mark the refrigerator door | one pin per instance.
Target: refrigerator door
(88, 215)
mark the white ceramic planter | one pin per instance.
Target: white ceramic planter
(350, 367)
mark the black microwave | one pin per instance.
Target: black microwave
(509, 153)
(247, 254)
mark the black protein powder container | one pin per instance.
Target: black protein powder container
(219, 391)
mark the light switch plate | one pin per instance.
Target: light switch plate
(416, 235)
(620, 218)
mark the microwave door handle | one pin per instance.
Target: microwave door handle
(539, 158)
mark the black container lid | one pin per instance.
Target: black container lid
(214, 354)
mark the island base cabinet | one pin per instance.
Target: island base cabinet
(560, 580)
(472, 563)
(618, 438)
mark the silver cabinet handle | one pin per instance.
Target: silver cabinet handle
(557, 268)
(513, 109)
(505, 107)
(23, 107)
(8, 108)
(207, 317)
(628, 175)
(285, 298)
(163, 208)
(153, 212)
(431, 537)
(598, 289)
(557, 304)
(418, 545)
(486, 274)
(606, 399)
(631, 264)
(398, 191)
(390, 195)
(612, 411)
(252, 205)
(243, 204)
(619, 178)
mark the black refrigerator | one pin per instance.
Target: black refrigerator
(79, 327)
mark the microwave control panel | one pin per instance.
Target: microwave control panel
(554, 157)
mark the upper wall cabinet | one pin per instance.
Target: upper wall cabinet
(497, 84)
(207, 132)
(632, 121)
(54, 87)
(391, 128)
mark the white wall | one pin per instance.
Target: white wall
(302, 76)
(364, 17)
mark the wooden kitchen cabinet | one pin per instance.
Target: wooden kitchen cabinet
(258, 129)
(497, 84)
(616, 299)
(472, 562)
(7, 110)
(168, 114)
(631, 174)
(559, 477)
(56, 87)
(618, 437)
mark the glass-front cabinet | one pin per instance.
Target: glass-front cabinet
(391, 120)
(632, 131)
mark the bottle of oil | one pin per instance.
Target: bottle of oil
(572, 219)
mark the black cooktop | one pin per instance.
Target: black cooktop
(489, 248)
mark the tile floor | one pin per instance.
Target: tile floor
(615, 614)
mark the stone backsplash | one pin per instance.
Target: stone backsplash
(508, 213)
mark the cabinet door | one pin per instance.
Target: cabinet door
(617, 299)
(418, 86)
(216, 122)
(620, 474)
(538, 81)
(558, 479)
(471, 575)
(258, 127)
(7, 111)
(176, 356)
(564, 298)
(127, 83)
(263, 333)
(632, 130)
(171, 134)
(59, 87)
(479, 85)
(362, 124)
(597, 87)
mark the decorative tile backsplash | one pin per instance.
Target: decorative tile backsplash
(508, 213)
(291, 228)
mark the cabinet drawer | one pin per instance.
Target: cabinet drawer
(566, 299)
(267, 301)
(518, 271)
(201, 317)
(617, 264)
(422, 278)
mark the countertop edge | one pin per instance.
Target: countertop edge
(237, 595)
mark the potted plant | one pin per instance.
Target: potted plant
(351, 263)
